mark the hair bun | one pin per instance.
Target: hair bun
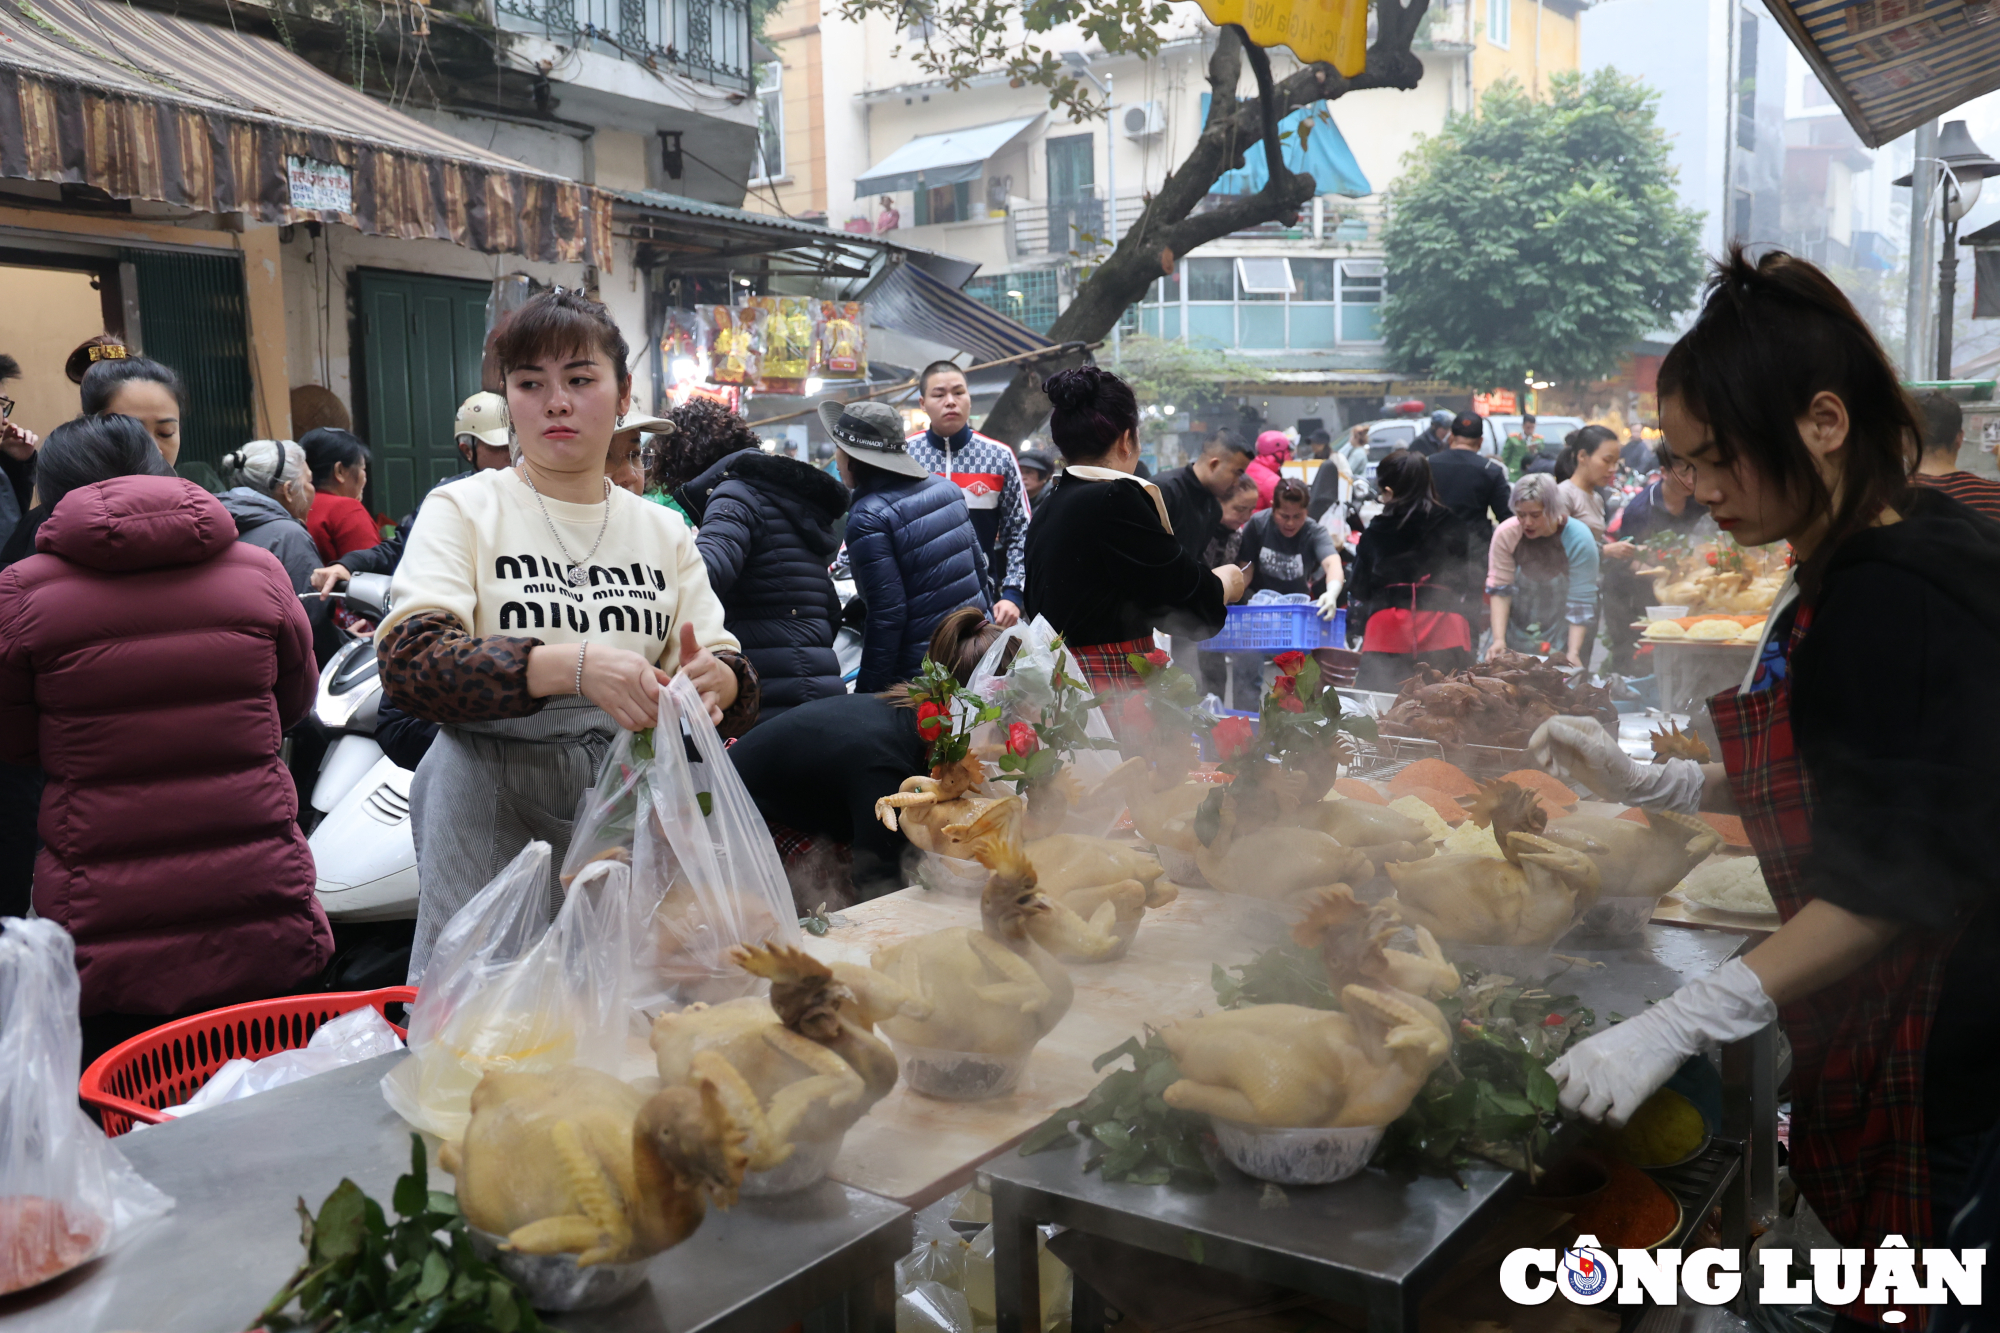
(1075, 388)
(235, 460)
(103, 347)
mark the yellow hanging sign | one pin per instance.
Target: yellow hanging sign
(1335, 31)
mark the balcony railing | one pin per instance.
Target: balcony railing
(1078, 226)
(707, 39)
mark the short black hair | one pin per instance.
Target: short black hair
(936, 368)
(561, 322)
(1467, 426)
(1319, 437)
(1226, 441)
(1290, 490)
(10, 369)
(87, 450)
(1943, 419)
(329, 447)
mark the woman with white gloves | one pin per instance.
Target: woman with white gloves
(1860, 759)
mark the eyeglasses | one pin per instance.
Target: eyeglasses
(6, 407)
(1682, 470)
(648, 456)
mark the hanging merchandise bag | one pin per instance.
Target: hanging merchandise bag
(506, 989)
(842, 340)
(706, 873)
(66, 1194)
(735, 344)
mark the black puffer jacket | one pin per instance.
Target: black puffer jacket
(764, 527)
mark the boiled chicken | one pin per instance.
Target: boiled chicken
(800, 1067)
(1286, 1066)
(575, 1162)
(999, 989)
(1278, 861)
(1362, 944)
(1633, 860)
(1529, 900)
(1109, 884)
(1382, 834)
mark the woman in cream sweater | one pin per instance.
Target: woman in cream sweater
(537, 608)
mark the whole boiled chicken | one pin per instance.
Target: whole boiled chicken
(1532, 899)
(1286, 1066)
(1361, 944)
(1278, 861)
(1109, 884)
(574, 1161)
(1382, 834)
(1633, 860)
(997, 990)
(800, 1067)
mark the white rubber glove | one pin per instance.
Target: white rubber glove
(1329, 603)
(1580, 750)
(1609, 1076)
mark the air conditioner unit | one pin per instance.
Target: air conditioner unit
(1140, 119)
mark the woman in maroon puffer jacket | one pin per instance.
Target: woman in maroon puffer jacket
(150, 662)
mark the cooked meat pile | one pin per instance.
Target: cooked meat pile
(1497, 702)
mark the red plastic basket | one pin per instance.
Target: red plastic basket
(131, 1082)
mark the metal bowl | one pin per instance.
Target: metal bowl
(554, 1282)
(1181, 867)
(958, 1076)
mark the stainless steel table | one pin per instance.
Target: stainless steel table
(1375, 1241)
(233, 1238)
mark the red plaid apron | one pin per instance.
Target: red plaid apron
(1857, 1140)
(1105, 667)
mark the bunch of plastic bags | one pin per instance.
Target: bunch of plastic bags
(670, 867)
(66, 1194)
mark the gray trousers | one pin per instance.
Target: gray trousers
(486, 790)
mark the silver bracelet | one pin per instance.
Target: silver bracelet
(585, 648)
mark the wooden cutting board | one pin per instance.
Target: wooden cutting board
(915, 1149)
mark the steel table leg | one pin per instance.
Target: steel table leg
(1086, 1307)
(1391, 1310)
(1017, 1285)
(1750, 1116)
(871, 1304)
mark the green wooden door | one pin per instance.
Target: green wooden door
(192, 320)
(421, 340)
(1072, 190)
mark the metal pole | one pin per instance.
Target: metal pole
(1111, 171)
(1916, 310)
(1947, 292)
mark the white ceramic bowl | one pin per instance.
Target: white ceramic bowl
(1297, 1156)
(806, 1167)
(1665, 612)
(958, 1076)
(553, 1282)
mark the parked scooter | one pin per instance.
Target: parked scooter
(361, 843)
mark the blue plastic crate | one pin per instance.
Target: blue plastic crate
(1279, 629)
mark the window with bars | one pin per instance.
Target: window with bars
(1032, 296)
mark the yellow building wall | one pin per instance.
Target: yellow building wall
(1526, 59)
(793, 33)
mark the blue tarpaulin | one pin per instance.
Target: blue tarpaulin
(1325, 157)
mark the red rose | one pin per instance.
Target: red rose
(1232, 736)
(1290, 663)
(930, 720)
(1553, 1021)
(1158, 658)
(1285, 687)
(1021, 740)
(1291, 703)
(1135, 714)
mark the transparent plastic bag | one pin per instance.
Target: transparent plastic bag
(1033, 654)
(66, 1194)
(607, 817)
(347, 1040)
(705, 869)
(505, 991)
(932, 1307)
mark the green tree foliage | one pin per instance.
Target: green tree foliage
(1538, 236)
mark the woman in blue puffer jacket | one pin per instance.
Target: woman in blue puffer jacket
(910, 543)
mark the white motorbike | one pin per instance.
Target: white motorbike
(361, 842)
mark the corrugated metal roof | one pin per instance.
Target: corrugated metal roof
(660, 201)
(1891, 65)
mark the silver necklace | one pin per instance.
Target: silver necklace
(575, 569)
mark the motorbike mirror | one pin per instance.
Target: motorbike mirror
(368, 595)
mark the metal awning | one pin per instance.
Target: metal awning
(941, 159)
(695, 236)
(911, 301)
(1893, 66)
(143, 105)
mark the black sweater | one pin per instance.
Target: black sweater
(1104, 569)
(1897, 721)
(1394, 555)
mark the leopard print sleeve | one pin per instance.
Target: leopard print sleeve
(740, 716)
(433, 669)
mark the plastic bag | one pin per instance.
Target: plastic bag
(1032, 653)
(841, 340)
(705, 868)
(66, 1194)
(932, 1307)
(347, 1040)
(735, 341)
(505, 991)
(607, 817)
